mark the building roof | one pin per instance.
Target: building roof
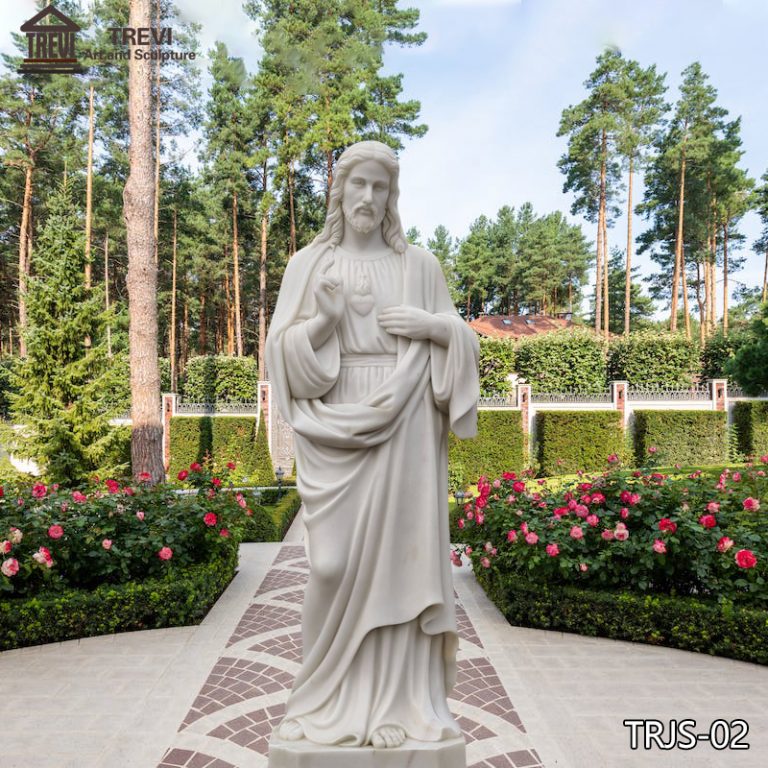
(517, 326)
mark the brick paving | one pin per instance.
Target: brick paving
(244, 696)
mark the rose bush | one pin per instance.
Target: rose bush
(641, 531)
(55, 539)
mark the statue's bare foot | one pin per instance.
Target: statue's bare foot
(290, 730)
(387, 737)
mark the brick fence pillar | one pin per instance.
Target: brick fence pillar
(619, 399)
(169, 408)
(524, 404)
(719, 391)
(264, 402)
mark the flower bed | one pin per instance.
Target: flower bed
(641, 533)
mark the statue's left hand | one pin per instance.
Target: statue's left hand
(408, 321)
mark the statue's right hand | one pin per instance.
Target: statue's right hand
(329, 294)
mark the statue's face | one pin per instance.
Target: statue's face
(366, 191)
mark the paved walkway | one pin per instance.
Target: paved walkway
(208, 696)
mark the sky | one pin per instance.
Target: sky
(494, 76)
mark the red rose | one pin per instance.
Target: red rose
(195, 467)
(231, 465)
(215, 481)
(224, 532)
(113, 486)
(665, 524)
(210, 519)
(39, 491)
(183, 475)
(745, 558)
(518, 486)
(513, 476)
(55, 531)
(2, 492)
(166, 553)
(708, 521)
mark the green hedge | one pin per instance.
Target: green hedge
(183, 597)
(567, 441)
(650, 358)
(681, 437)
(220, 378)
(751, 422)
(272, 521)
(497, 362)
(223, 438)
(720, 629)
(498, 447)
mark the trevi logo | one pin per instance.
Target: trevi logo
(51, 41)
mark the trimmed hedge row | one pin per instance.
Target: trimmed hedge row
(751, 422)
(719, 629)
(681, 437)
(183, 597)
(568, 441)
(499, 447)
(272, 523)
(221, 378)
(223, 438)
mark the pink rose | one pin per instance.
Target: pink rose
(183, 475)
(107, 544)
(195, 467)
(750, 504)
(468, 550)
(470, 514)
(607, 535)
(488, 546)
(653, 449)
(613, 458)
(461, 523)
(736, 476)
(485, 562)
(79, 497)
(724, 544)
(480, 518)
(577, 532)
(572, 503)
(660, 547)
(166, 553)
(553, 550)
(241, 500)
(581, 510)
(224, 532)
(708, 521)
(583, 567)
(55, 531)
(10, 567)
(620, 532)
(625, 496)
(593, 520)
(456, 559)
(210, 519)
(713, 507)
(497, 483)
(43, 556)
(211, 493)
(531, 537)
(39, 491)
(5, 547)
(624, 512)
(15, 535)
(598, 498)
(512, 536)
(763, 459)
(745, 558)
(140, 515)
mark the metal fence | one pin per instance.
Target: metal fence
(665, 394)
(220, 409)
(571, 397)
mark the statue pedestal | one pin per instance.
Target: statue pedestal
(412, 754)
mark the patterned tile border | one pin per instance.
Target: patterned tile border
(231, 719)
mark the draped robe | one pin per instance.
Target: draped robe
(371, 413)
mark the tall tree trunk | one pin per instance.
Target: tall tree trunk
(606, 295)
(202, 339)
(156, 215)
(172, 340)
(106, 293)
(24, 260)
(725, 278)
(185, 329)
(263, 294)
(89, 191)
(228, 314)
(678, 243)
(628, 277)
(138, 202)
(236, 278)
(713, 281)
(700, 299)
(686, 308)
(599, 275)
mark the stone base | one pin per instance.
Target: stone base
(412, 754)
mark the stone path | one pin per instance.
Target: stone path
(207, 696)
(231, 719)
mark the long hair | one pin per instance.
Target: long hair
(391, 227)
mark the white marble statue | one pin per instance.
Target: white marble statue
(372, 365)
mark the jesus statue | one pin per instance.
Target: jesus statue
(372, 365)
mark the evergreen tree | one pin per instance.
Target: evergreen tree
(642, 307)
(63, 386)
(761, 244)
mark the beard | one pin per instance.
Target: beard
(361, 221)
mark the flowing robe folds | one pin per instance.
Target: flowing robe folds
(371, 413)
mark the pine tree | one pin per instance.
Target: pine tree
(761, 244)
(63, 385)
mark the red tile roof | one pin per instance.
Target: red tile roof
(514, 327)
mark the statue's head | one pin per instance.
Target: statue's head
(378, 163)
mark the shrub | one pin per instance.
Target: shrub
(571, 360)
(643, 532)
(650, 358)
(749, 366)
(718, 350)
(220, 378)
(567, 441)
(263, 472)
(497, 362)
(681, 437)
(720, 629)
(498, 447)
(6, 386)
(751, 422)
(181, 597)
